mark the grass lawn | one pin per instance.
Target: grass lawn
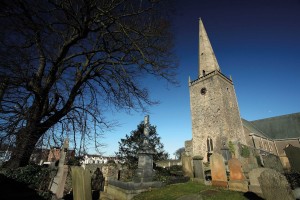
(175, 191)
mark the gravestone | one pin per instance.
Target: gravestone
(58, 183)
(97, 183)
(225, 153)
(275, 186)
(248, 163)
(254, 183)
(97, 180)
(218, 171)
(237, 179)
(293, 155)
(198, 168)
(81, 184)
(187, 165)
(273, 162)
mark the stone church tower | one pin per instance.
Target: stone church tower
(215, 114)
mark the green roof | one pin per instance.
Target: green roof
(280, 127)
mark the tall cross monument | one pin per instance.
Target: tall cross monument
(145, 172)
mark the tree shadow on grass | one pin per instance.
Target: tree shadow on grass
(11, 189)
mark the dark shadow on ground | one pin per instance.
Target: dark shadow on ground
(68, 196)
(252, 196)
(11, 189)
(96, 194)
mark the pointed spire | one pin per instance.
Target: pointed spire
(207, 59)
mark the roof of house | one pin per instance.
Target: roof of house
(280, 127)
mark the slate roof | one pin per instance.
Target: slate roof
(280, 127)
(248, 125)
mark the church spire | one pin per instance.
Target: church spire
(207, 58)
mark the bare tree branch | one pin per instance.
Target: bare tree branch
(63, 63)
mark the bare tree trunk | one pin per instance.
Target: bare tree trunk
(25, 143)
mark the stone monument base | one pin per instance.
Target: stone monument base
(127, 190)
(219, 183)
(236, 185)
(143, 175)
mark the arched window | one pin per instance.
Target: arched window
(210, 146)
(203, 71)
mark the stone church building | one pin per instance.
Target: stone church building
(216, 119)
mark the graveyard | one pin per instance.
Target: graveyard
(69, 68)
(231, 184)
(218, 178)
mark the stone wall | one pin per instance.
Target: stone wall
(167, 163)
(92, 167)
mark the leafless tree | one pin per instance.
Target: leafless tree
(63, 62)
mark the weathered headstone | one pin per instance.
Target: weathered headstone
(97, 180)
(225, 153)
(198, 168)
(81, 184)
(58, 183)
(273, 162)
(275, 186)
(254, 183)
(248, 162)
(237, 179)
(187, 165)
(218, 170)
(293, 155)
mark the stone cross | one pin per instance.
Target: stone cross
(144, 173)
(146, 126)
(146, 130)
(58, 184)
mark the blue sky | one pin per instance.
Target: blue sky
(257, 42)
